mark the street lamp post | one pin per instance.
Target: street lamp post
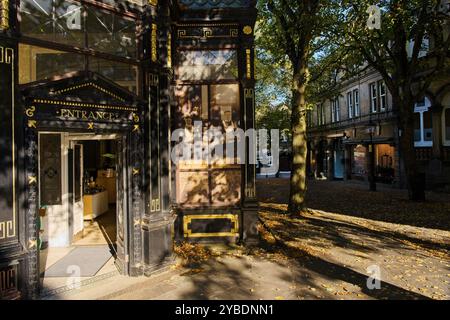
(372, 182)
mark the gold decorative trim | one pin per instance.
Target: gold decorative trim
(4, 15)
(208, 25)
(8, 228)
(250, 189)
(32, 244)
(90, 126)
(6, 55)
(169, 50)
(90, 84)
(187, 220)
(32, 180)
(32, 123)
(207, 34)
(84, 105)
(136, 171)
(153, 2)
(155, 205)
(154, 42)
(248, 55)
(8, 279)
(30, 111)
(136, 128)
(248, 30)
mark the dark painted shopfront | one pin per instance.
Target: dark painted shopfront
(130, 73)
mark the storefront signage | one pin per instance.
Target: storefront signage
(88, 115)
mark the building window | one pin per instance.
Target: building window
(83, 26)
(378, 96)
(356, 103)
(383, 95)
(309, 118)
(335, 110)
(423, 124)
(350, 105)
(446, 126)
(207, 65)
(320, 115)
(373, 97)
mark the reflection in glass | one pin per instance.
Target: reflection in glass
(53, 20)
(208, 65)
(36, 63)
(123, 74)
(111, 33)
(427, 126)
(68, 22)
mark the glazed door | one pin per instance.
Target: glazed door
(78, 204)
(121, 207)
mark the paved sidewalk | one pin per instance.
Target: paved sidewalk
(323, 254)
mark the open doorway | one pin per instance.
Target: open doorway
(81, 187)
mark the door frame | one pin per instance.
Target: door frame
(120, 112)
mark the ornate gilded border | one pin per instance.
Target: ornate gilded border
(187, 220)
(4, 14)
(8, 228)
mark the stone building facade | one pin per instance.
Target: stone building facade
(344, 129)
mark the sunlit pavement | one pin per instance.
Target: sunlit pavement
(350, 239)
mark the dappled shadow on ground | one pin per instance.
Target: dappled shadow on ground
(354, 199)
(325, 252)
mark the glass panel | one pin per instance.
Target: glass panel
(417, 128)
(50, 169)
(203, 4)
(193, 188)
(224, 116)
(36, 63)
(447, 124)
(110, 33)
(226, 187)
(428, 126)
(53, 20)
(208, 65)
(123, 74)
(65, 21)
(192, 103)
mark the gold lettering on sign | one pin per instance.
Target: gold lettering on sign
(87, 115)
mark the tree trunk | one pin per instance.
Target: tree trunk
(415, 178)
(299, 144)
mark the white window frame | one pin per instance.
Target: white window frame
(335, 110)
(373, 97)
(333, 113)
(320, 115)
(445, 141)
(422, 109)
(350, 104)
(382, 92)
(356, 103)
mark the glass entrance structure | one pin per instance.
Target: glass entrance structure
(132, 72)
